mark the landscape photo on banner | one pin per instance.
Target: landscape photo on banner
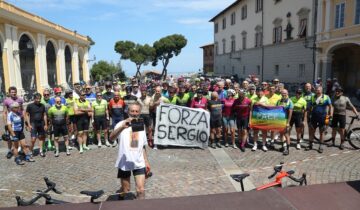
(181, 126)
(268, 118)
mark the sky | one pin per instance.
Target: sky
(140, 21)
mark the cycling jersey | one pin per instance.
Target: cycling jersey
(307, 96)
(82, 105)
(58, 114)
(172, 100)
(228, 103)
(46, 104)
(340, 104)
(242, 108)
(196, 103)
(183, 100)
(287, 104)
(222, 95)
(8, 101)
(116, 108)
(15, 120)
(99, 108)
(70, 105)
(251, 97)
(273, 99)
(215, 108)
(108, 96)
(263, 100)
(299, 104)
(319, 104)
(36, 112)
(52, 101)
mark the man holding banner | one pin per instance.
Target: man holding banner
(288, 107)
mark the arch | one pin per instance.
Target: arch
(303, 12)
(27, 62)
(81, 62)
(258, 28)
(31, 37)
(68, 64)
(338, 45)
(51, 58)
(277, 21)
(2, 40)
(54, 43)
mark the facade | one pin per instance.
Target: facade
(265, 38)
(208, 59)
(338, 42)
(37, 54)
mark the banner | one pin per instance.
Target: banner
(268, 118)
(181, 126)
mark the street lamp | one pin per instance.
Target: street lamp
(90, 60)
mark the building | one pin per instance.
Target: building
(208, 59)
(267, 39)
(338, 42)
(37, 54)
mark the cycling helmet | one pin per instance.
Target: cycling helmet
(68, 91)
(232, 91)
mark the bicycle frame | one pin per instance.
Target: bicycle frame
(276, 183)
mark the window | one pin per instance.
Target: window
(224, 46)
(233, 70)
(259, 5)
(258, 68)
(224, 23)
(216, 48)
(277, 36)
(244, 70)
(244, 34)
(258, 36)
(301, 70)
(357, 12)
(216, 28)
(233, 18)
(233, 44)
(303, 28)
(276, 70)
(340, 15)
(211, 52)
(244, 12)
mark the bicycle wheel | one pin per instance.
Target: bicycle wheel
(327, 135)
(353, 137)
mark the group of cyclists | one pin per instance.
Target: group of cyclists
(71, 114)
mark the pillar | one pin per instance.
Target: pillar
(319, 19)
(61, 69)
(86, 73)
(41, 64)
(75, 63)
(327, 18)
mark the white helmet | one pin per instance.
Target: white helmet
(232, 91)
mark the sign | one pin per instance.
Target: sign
(182, 126)
(268, 118)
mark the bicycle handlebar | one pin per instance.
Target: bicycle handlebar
(277, 169)
(51, 186)
(302, 180)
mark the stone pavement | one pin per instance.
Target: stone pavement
(177, 171)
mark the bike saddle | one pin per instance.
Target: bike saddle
(239, 177)
(291, 172)
(93, 194)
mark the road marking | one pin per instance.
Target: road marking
(333, 155)
(229, 167)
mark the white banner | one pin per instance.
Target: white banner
(182, 126)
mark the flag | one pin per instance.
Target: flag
(268, 118)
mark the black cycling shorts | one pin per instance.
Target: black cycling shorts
(37, 129)
(338, 121)
(318, 122)
(100, 123)
(297, 119)
(82, 122)
(72, 119)
(215, 123)
(60, 130)
(126, 174)
(147, 120)
(242, 123)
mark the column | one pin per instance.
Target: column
(327, 18)
(319, 19)
(86, 73)
(326, 69)
(41, 64)
(8, 58)
(75, 63)
(61, 70)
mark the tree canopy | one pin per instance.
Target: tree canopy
(136, 53)
(166, 48)
(103, 70)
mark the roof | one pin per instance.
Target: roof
(225, 10)
(207, 45)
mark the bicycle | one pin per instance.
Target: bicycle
(351, 134)
(278, 179)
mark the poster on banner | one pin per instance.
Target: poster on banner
(268, 118)
(182, 126)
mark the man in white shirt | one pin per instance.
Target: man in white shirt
(132, 154)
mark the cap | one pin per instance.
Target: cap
(339, 89)
(122, 83)
(299, 90)
(252, 87)
(258, 89)
(68, 91)
(15, 104)
(87, 86)
(241, 91)
(276, 80)
(200, 91)
(57, 90)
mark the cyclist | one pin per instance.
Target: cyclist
(262, 100)
(241, 109)
(83, 111)
(58, 117)
(57, 92)
(215, 108)
(36, 122)
(15, 125)
(221, 91)
(116, 109)
(183, 98)
(172, 99)
(320, 107)
(128, 99)
(108, 93)
(288, 108)
(90, 96)
(145, 101)
(273, 99)
(46, 102)
(307, 95)
(199, 101)
(228, 118)
(340, 103)
(298, 115)
(100, 117)
(7, 103)
(71, 122)
(251, 94)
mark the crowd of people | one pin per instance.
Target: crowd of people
(70, 114)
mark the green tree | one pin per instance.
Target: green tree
(103, 70)
(166, 48)
(92, 42)
(136, 53)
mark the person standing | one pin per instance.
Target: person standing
(215, 108)
(228, 118)
(82, 108)
(298, 116)
(100, 116)
(36, 123)
(288, 107)
(132, 157)
(145, 101)
(262, 100)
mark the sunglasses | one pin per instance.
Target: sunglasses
(82, 95)
(46, 94)
(99, 95)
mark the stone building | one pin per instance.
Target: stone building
(208, 59)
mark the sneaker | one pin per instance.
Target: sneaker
(286, 151)
(107, 144)
(9, 155)
(155, 147)
(310, 147)
(70, 147)
(42, 154)
(87, 148)
(68, 153)
(234, 146)
(298, 146)
(81, 150)
(114, 144)
(218, 145)
(320, 149)
(99, 145)
(242, 149)
(341, 147)
(213, 145)
(19, 162)
(264, 148)
(226, 145)
(57, 154)
(332, 144)
(30, 160)
(254, 148)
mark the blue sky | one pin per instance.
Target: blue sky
(141, 21)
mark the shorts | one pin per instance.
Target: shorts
(242, 123)
(37, 129)
(297, 119)
(72, 119)
(115, 121)
(126, 174)
(82, 123)
(147, 120)
(100, 123)
(229, 122)
(338, 121)
(19, 135)
(318, 121)
(60, 130)
(215, 123)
